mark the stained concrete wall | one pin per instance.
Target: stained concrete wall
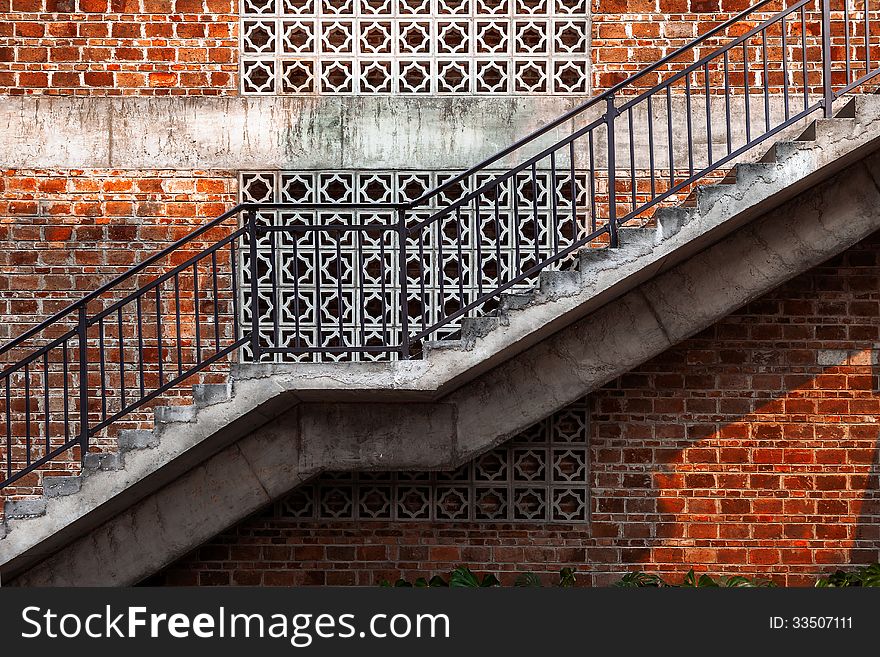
(248, 133)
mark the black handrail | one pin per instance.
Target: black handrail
(273, 283)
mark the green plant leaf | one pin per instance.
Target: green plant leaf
(402, 584)
(690, 580)
(489, 580)
(706, 581)
(637, 578)
(437, 582)
(462, 577)
(384, 583)
(527, 579)
(421, 583)
(567, 578)
(737, 581)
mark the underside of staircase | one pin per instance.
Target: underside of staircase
(271, 427)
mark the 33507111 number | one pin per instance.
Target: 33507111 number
(811, 623)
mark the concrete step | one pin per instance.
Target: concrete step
(61, 486)
(555, 284)
(130, 439)
(670, 221)
(780, 152)
(473, 328)
(514, 302)
(171, 414)
(95, 462)
(827, 128)
(636, 235)
(587, 258)
(431, 346)
(207, 394)
(17, 509)
(708, 195)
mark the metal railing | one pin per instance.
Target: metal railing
(373, 281)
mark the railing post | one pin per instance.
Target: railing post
(82, 333)
(401, 265)
(251, 221)
(827, 90)
(610, 115)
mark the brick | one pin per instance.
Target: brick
(163, 79)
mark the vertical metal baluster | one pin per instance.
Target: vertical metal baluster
(826, 11)
(846, 43)
(8, 428)
(319, 320)
(216, 301)
(159, 357)
(632, 159)
(727, 101)
(827, 89)
(441, 309)
(610, 115)
(83, 383)
(497, 238)
(669, 141)
(46, 399)
(65, 370)
(234, 285)
(422, 304)
(690, 129)
(785, 67)
(535, 219)
(766, 81)
(477, 223)
(251, 226)
(27, 412)
(121, 364)
(592, 185)
(651, 172)
(275, 295)
(359, 274)
(804, 58)
(708, 113)
(382, 274)
(517, 227)
(461, 266)
(103, 369)
(554, 206)
(573, 190)
(746, 92)
(197, 312)
(404, 285)
(297, 340)
(340, 303)
(140, 333)
(177, 323)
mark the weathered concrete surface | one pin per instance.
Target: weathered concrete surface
(271, 132)
(277, 132)
(781, 218)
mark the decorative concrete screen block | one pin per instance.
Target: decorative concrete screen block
(414, 46)
(338, 288)
(540, 475)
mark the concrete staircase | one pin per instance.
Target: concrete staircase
(246, 443)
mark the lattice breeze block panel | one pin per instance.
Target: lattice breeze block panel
(343, 288)
(541, 475)
(414, 46)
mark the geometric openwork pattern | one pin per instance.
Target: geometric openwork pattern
(414, 46)
(540, 475)
(342, 288)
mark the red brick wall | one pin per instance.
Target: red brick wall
(743, 450)
(64, 233)
(115, 47)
